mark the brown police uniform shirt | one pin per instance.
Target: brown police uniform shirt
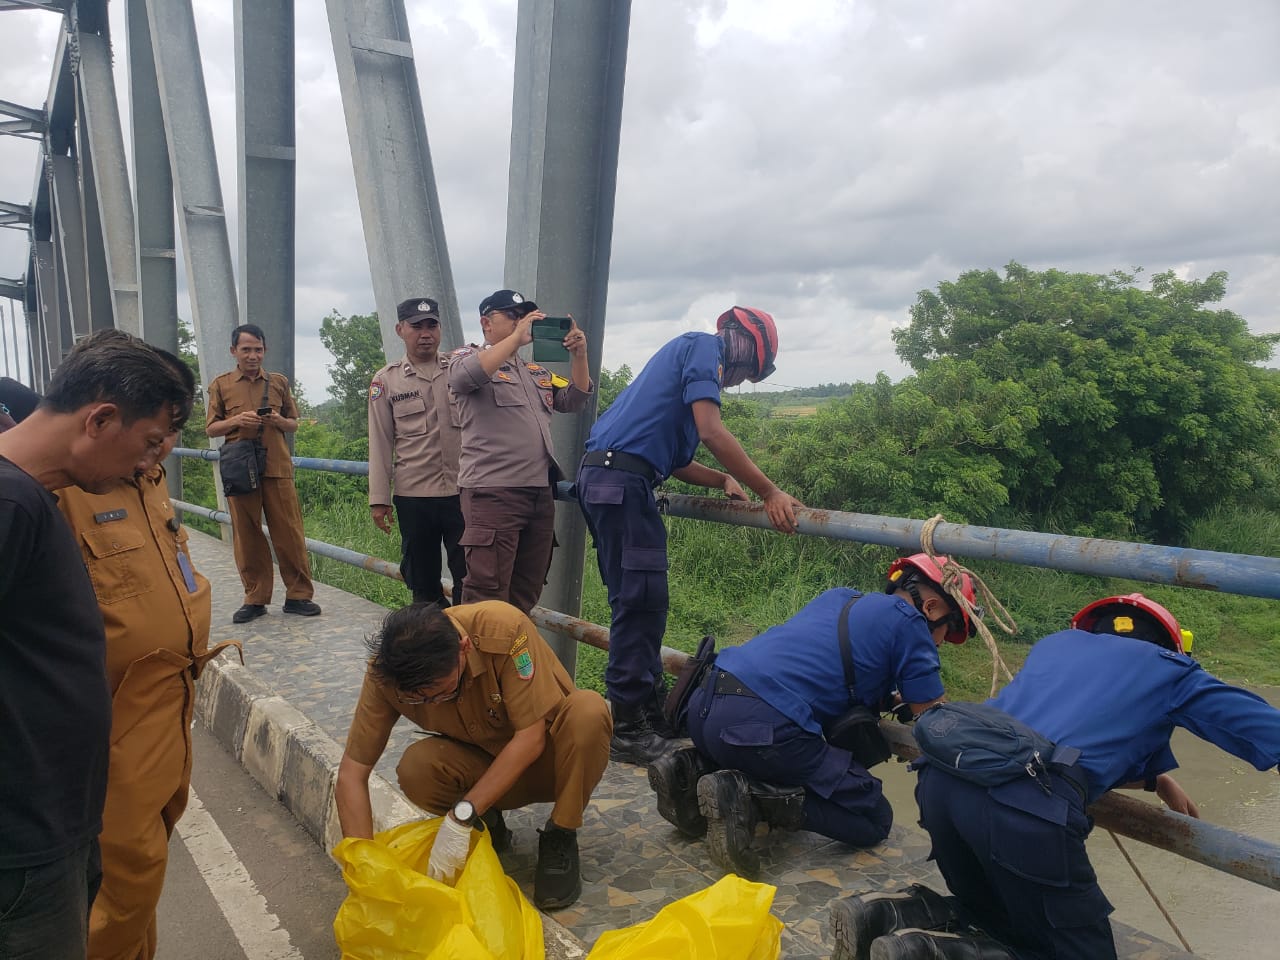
(414, 436)
(506, 420)
(233, 393)
(511, 680)
(150, 598)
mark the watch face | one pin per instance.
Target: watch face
(464, 812)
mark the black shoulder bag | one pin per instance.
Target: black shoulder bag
(858, 728)
(676, 707)
(242, 463)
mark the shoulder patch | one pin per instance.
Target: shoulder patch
(461, 352)
(503, 375)
(375, 389)
(522, 641)
(524, 665)
(558, 382)
(535, 369)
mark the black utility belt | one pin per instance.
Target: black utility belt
(617, 460)
(727, 683)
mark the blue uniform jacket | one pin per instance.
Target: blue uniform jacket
(796, 666)
(1118, 699)
(653, 417)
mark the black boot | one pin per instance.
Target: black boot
(634, 739)
(557, 881)
(658, 719)
(499, 832)
(674, 778)
(724, 797)
(782, 808)
(858, 920)
(936, 945)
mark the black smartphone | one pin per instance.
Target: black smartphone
(264, 411)
(548, 339)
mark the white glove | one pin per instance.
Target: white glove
(449, 851)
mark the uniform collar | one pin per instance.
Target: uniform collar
(241, 375)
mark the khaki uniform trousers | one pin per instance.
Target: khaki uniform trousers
(278, 500)
(435, 773)
(147, 784)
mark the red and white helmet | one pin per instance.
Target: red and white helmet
(1152, 621)
(761, 327)
(905, 570)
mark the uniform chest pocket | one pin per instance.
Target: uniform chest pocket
(411, 417)
(508, 393)
(117, 563)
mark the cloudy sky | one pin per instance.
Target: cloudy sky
(821, 159)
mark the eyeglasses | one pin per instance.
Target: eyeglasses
(435, 697)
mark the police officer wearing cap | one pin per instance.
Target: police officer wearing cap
(1112, 688)
(649, 433)
(507, 466)
(414, 441)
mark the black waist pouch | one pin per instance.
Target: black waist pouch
(242, 464)
(858, 728)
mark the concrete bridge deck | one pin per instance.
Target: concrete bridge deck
(285, 714)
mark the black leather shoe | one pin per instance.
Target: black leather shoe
(303, 608)
(499, 832)
(557, 881)
(858, 920)
(674, 778)
(634, 740)
(936, 945)
(724, 797)
(250, 611)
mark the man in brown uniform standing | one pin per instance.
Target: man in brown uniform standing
(234, 403)
(508, 465)
(156, 610)
(414, 440)
(512, 730)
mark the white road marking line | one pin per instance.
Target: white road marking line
(257, 928)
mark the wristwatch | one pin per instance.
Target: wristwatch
(464, 812)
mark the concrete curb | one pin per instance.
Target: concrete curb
(296, 762)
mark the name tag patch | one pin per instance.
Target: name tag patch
(108, 516)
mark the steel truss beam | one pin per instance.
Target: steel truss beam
(403, 230)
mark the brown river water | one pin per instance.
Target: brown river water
(1221, 916)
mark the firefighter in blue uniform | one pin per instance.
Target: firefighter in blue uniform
(651, 432)
(760, 716)
(1114, 687)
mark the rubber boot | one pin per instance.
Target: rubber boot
(937, 945)
(858, 920)
(634, 739)
(724, 798)
(782, 808)
(674, 778)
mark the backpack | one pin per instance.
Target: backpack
(984, 745)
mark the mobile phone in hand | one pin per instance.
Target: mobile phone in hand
(548, 339)
(264, 411)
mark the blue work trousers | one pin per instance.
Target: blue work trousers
(841, 799)
(1014, 856)
(631, 551)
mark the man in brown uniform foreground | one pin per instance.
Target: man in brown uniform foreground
(512, 730)
(249, 403)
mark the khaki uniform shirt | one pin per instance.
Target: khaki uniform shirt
(150, 599)
(414, 434)
(511, 680)
(233, 393)
(506, 420)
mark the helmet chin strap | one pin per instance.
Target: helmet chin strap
(944, 621)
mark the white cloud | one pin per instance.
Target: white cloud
(821, 159)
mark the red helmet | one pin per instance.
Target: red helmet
(1114, 615)
(905, 570)
(761, 327)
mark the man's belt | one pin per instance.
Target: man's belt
(617, 460)
(726, 682)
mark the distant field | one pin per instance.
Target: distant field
(790, 411)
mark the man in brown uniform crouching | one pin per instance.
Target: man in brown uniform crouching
(511, 729)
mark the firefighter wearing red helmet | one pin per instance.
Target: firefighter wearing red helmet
(764, 721)
(1108, 693)
(651, 432)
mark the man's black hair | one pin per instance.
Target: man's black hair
(112, 366)
(252, 329)
(1145, 626)
(416, 647)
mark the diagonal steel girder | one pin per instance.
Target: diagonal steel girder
(202, 219)
(395, 182)
(53, 6)
(27, 122)
(14, 214)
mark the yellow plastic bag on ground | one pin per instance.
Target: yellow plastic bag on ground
(729, 920)
(394, 910)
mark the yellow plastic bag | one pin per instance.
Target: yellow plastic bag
(729, 920)
(395, 911)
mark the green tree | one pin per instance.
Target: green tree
(611, 384)
(356, 345)
(1149, 406)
